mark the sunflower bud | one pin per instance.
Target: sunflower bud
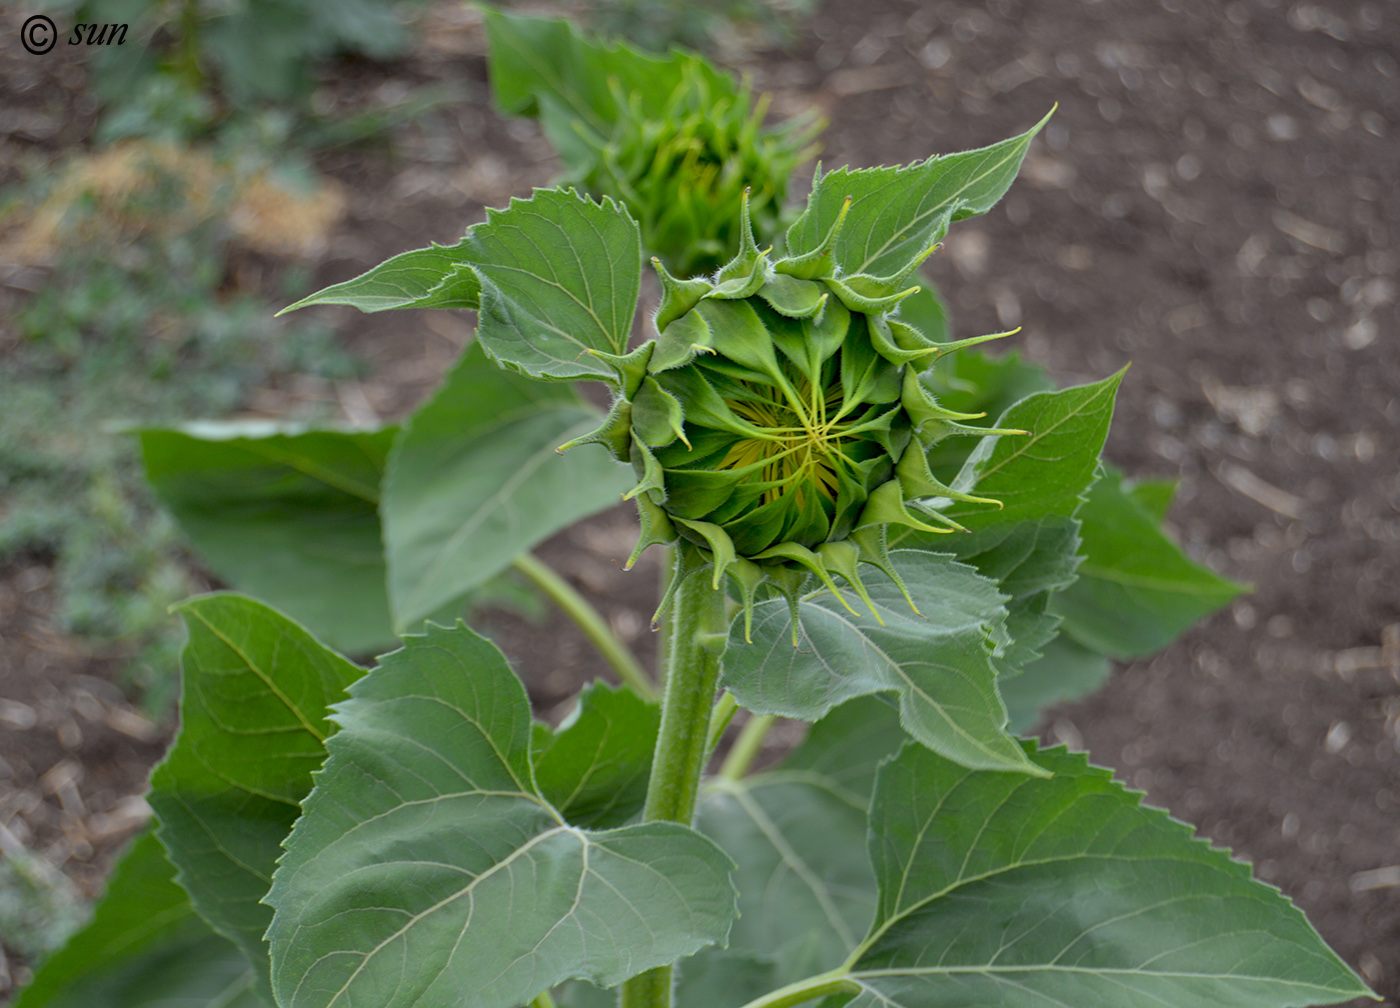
(777, 422)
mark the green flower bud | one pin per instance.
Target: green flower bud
(777, 423)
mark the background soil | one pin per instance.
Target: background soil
(1213, 201)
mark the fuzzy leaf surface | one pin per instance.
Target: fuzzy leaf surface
(438, 276)
(475, 480)
(285, 513)
(560, 275)
(1047, 471)
(595, 768)
(145, 946)
(897, 213)
(256, 692)
(939, 664)
(1001, 889)
(428, 870)
(1136, 591)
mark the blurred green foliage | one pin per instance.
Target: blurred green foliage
(673, 139)
(715, 26)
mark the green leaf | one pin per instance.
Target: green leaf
(475, 480)
(897, 213)
(939, 663)
(560, 275)
(1137, 591)
(1044, 472)
(256, 692)
(439, 276)
(1001, 889)
(1153, 496)
(594, 770)
(427, 868)
(285, 513)
(847, 746)
(969, 381)
(1029, 562)
(144, 946)
(1065, 671)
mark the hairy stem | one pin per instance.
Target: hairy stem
(682, 746)
(590, 621)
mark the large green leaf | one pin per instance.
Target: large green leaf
(285, 513)
(595, 768)
(439, 276)
(560, 275)
(897, 213)
(1066, 670)
(939, 661)
(1046, 471)
(1020, 892)
(256, 692)
(1136, 589)
(475, 480)
(427, 869)
(797, 832)
(144, 947)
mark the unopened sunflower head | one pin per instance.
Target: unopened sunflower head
(778, 424)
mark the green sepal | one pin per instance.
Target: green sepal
(677, 296)
(648, 470)
(689, 561)
(905, 334)
(867, 294)
(747, 576)
(788, 582)
(821, 261)
(842, 557)
(873, 541)
(800, 554)
(886, 506)
(721, 546)
(657, 415)
(904, 344)
(614, 433)
(932, 421)
(917, 480)
(703, 405)
(738, 274)
(738, 334)
(631, 367)
(680, 341)
(867, 377)
(657, 529)
(793, 297)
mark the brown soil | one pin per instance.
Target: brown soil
(1210, 202)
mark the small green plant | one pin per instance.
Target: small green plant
(409, 836)
(672, 139)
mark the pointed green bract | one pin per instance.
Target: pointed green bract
(1137, 590)
(475, 480)
(1023, 892)
(255, 695)
(286, 513)
(428, 869)
(939, 664)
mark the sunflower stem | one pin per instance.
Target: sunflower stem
(696, 638)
